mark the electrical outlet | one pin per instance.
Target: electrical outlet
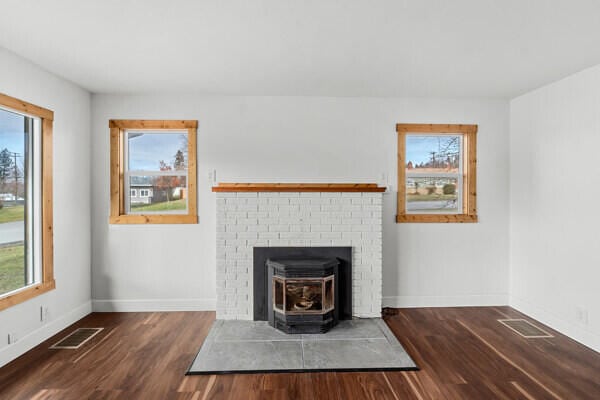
(12, 338)
(212, 176)
(44, 312)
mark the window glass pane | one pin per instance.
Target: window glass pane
(15, 266)
(156, 151)
(158, 194)
(433, 153)
(432, 195)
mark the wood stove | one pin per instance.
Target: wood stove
(303, 293)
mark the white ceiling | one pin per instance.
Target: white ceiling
(446, 48)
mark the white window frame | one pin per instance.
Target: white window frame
(144, 190)
(132, 193)
(129, 173)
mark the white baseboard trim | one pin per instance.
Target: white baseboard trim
(445, 301)
(29, 341)
(152, 305)
(575, 331)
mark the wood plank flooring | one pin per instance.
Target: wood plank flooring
(464, 353)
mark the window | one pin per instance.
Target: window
(26, 244)
(160, 157)
(436, 173)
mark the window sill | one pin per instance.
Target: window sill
(154, 219)
(25, 294)
(436, 218)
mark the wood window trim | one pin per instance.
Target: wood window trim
(469, 212)
(47, 282)
(117, 170)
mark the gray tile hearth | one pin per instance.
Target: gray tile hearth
(254, 346)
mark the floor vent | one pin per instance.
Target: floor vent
(77, 338)
(525, 328)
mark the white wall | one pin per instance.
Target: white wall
(71, 298)
(555, 189)
(302, 139)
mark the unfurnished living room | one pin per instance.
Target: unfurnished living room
(318, 199)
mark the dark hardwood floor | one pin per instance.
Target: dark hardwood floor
(464, 353)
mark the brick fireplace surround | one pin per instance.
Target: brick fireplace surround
(304, 215)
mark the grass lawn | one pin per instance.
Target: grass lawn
(173, 205)
(11, 214)
(11, 268)
(430, 197)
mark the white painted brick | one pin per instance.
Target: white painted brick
(279, 242)
(361, 228)
(361, 214)
(320, 228)
(319, 201)
(300, 201)
(268, 194)
(236, 228)
(247, 221)
(257, 214)
(289, 208)
(247, 235)
(310, 194)
(247, 207)
(257, 242)
(320, 242)
(299, 242)
(279, 200)
(236, 284)
(361, 200)
(299, 228)
(268, 207)
(268, 235)
(235, 242)
(331, 235)
(226, 194)
(258, 228)
(294, 235)
(352, 235)
(371, 235)
(290, 220)
(296, 219)
(279, 228)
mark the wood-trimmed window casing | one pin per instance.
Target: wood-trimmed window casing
(117, 172)
(47, 282)
(469, 188)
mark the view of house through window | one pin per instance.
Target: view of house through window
(433, 174)
(19, 201)
(437, 173)
(156, 172)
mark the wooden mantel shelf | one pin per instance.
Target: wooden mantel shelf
(298, 187)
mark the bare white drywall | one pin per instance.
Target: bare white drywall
(137, 267)
(71, 298)
(555, 187)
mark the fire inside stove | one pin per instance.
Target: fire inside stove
(303, 294)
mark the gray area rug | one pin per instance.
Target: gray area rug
(256, 347)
